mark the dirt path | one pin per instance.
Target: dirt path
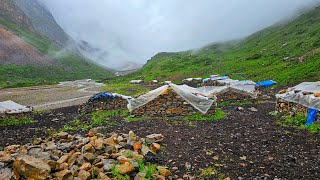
(244, 145)
(51, 96)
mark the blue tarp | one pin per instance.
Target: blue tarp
(266, 83)
(312, 116)
(102, 95)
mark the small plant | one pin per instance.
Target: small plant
(129, 154)
(15, 122)
(141, 165)
(211, 173)
(131, 118)
(150, 170)
(75, 125)
(298, 121)
(219, 114)
(116, 174)
(101, 117)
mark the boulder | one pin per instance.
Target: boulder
(31, 168)
(64, 175)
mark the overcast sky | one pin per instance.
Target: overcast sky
(135, 30)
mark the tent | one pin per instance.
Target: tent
(304, 97)
(10, 107)
(171, 100)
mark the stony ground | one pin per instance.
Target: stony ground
(50, 96)
(244, 145)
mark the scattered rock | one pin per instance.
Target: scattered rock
(84, 175)
(253, 109)
(124, 168)
(155, 147)
(154, 138)
(62, 135)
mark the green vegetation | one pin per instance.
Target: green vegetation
(211, 173)
(298, 121)
(15, 122)
(69, 66)
(116, 174)
(76, 125)
(126, 89)
(99, 118)
(239, 103)
(132, 118)
(272, 53)
(148, 169)
(199, 117)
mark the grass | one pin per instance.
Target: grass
(126, 89)
(148, 169)
(132, 118)
(76, 125)
(99, 118)
(298, 121)
(15, 122)
(71, 66)
(211, 173)
(219, 114)
(238, 103)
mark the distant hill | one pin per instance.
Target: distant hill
(33, 48)
(286, 52)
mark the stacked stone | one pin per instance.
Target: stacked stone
(68, 157)
(210, 83)
(168, 104)
(231, 96)
(290, 108)
(102, 103)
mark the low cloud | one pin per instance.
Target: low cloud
(135, 30)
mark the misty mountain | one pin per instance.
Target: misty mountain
(287, 52)
(34, 50)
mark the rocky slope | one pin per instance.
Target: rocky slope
(14, 50)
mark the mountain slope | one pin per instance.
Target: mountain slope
(44, 23)
(287, 52)
(14, 50)
(27, 58)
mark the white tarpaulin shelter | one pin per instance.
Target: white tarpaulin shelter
(196, 99)
(303, 94)
(136, 81)
(244, 87)
(10, 107)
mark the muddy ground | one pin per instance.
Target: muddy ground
(244, 145)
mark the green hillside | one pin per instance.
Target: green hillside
(69, 67)
(272, 53)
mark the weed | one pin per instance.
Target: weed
(219, 114)
(129, 154)
(15, 122)
(75, 125)
(132, 118)
(211, 173)
(298, 121)
(150, 169)
(100, 117)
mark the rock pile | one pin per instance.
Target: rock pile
(168, 104)
(104, 101)
(98, 156)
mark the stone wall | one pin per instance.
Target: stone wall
(168, 104)
(290, 108)
(115, 103)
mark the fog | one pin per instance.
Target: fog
(135, 30)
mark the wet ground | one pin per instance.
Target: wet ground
(244, 145)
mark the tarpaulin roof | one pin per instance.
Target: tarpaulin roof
(303, 94)
(193, 96)
(10, 107)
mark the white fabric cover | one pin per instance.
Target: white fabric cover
(10, 107)
(295, 95)
(194, 96)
